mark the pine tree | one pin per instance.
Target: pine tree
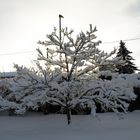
(129, 67)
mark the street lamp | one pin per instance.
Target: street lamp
(60, 16)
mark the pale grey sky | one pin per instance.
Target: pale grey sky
(24, 22)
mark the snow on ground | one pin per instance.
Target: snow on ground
(106, 126)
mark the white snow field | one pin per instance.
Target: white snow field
(105, 126)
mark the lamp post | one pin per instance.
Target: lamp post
(60, 16)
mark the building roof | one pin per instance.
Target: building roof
(7, 74)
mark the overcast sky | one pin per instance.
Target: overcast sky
(24, 22)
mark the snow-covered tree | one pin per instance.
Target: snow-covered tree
(124, 54)
(73, 57)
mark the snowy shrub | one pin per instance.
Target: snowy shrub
(30, 91)
(4, 87)
(12, 107)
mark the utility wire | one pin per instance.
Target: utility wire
(111, 42)
(131, 39)
(16, 53)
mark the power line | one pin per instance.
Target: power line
(16, 53)
(131, 39)
(111, 42)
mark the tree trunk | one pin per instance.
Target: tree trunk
(68, 115)
(68, 110)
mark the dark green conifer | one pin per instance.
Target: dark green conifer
(129, 67)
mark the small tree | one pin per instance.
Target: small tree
(74, 59)
(129, 67)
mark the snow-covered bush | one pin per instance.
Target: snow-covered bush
(6, 103)
(30, 91)
(70, 95)
(12, 107)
